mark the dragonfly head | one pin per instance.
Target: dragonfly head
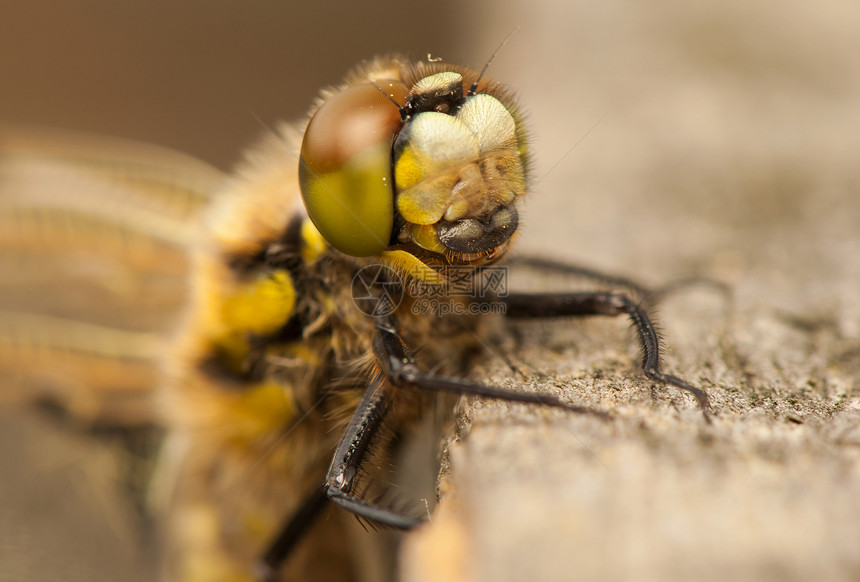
(430, 161)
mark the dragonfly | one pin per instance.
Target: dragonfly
(288, 324)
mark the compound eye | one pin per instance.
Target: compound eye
(345, 167)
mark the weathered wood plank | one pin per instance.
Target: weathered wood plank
(729, 150)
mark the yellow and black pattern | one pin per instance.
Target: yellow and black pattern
(273, 354)
(413, 169)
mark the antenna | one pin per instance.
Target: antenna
(404, 112)
(474, 88)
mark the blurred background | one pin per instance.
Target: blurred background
(199, 76)
(673, 138)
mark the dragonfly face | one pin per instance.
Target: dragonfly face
(422, 158)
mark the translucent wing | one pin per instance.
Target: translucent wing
(94, 238)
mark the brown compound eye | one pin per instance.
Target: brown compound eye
(345, 167)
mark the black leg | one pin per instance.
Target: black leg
(351, 452)
(614, 281)
(544, 264)
(346, 463)
(401, 371)
(290, 535)
(591, 303)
